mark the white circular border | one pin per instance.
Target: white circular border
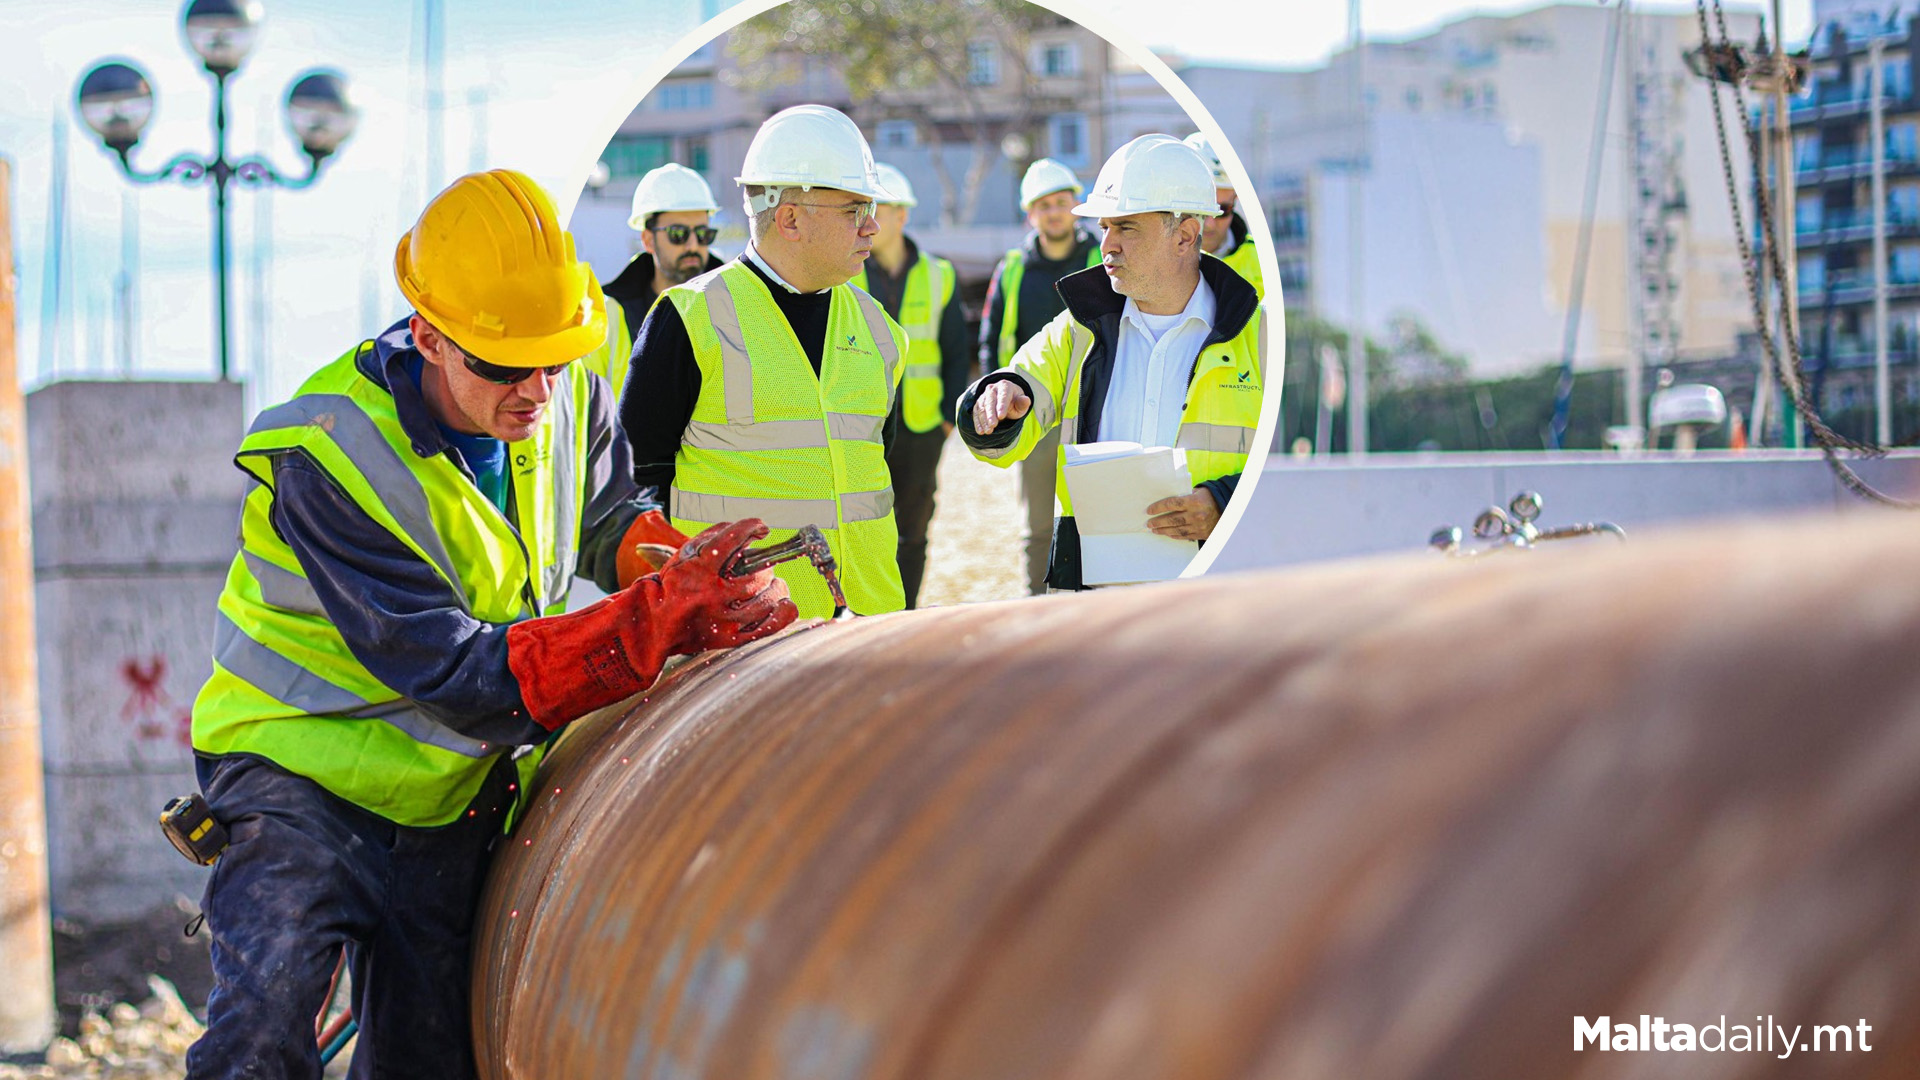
(663, 64)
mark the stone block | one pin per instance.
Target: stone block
(108, 860)
(121, 659)
(154, 442)
(161, 537)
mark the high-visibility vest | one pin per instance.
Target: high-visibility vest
(1216, 427)
(923, 302)
(1013, 267)
(286, 687)
(1246, 262)
(769, 439)
(611, 360)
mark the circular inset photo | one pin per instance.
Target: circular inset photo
(964, 286)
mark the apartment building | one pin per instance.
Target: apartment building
(1834, 212)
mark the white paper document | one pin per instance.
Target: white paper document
(1111, 485)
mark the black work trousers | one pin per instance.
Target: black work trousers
(307, 874)
(914, 461)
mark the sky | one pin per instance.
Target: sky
(537, 87)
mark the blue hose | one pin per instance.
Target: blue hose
(339, 1042)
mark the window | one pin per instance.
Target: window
(983, 63)
(896, 135)
(697, 154)
(1813, 273)
(1289, 222)
(1413, 99)
(637, 155)
(686, 96)
(1059, 59)
(1904, 265)
(1067, 137)
(1903, 205)
(1807, 214)
(1900, 143)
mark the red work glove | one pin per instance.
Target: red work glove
(569, 665)
(650, 541)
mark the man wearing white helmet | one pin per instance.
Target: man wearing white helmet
(1021, 301)
(1160, 346)
(1227, 237)
(672, 211)
(916, 288)
(769, 382)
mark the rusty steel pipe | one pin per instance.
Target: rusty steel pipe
(1387, 819)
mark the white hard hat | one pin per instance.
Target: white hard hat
(669, 188)
(1043, 178)
(1153, 173)
(1199, 141)
(899, 191)
(808, 146)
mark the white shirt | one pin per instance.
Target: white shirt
(1152, 360)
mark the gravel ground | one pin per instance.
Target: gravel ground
(976, 546)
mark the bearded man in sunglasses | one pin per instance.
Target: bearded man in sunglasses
(766, 388)
(390, 650)
(673, 212)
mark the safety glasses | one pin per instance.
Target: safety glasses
(500, 375)
(861, 212)
(1227, 208)
(678, 234)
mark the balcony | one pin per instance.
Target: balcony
(1856, 287)
(1828, 101)
(1851, 162)
(1854, 226)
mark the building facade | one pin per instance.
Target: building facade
(1043, 93)
(1834, 211)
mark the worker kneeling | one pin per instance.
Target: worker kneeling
(1159, 345)
(390, 650)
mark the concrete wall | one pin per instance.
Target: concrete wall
(135, 509)
(1309, 512)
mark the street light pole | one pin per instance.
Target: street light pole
(116, 101)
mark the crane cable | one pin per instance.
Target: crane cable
(1830, 441)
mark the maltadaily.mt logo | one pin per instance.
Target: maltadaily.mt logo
(1763, 1036)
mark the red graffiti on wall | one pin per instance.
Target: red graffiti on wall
(150, 709)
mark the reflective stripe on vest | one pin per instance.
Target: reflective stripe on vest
(286, 686)
(1222, 407)
(771, 438)
(923, 301)
(612, 359)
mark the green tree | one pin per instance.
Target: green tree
(909, 60)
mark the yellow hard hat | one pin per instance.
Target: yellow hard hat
(489, 266)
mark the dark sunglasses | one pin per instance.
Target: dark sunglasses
(500, 375)
(677, 234)
(1227, 208)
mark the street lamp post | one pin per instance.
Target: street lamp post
(116, 101)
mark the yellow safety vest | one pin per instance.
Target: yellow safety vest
(1216, 427)
(770, 439)
(1246, 262)
(286, 687)
(1013, 268)
(923, 302)
(611, 360)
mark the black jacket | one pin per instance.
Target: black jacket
(1091, 299)
(633, 287)
(1039, 303)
